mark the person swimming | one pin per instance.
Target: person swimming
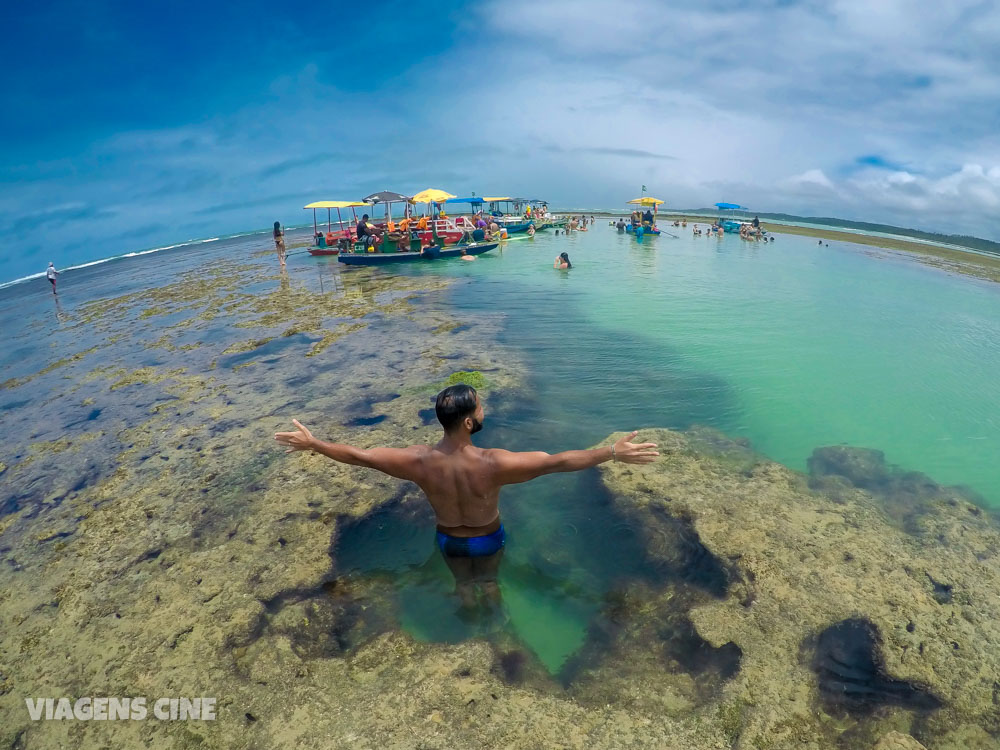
(462, 482)
(562, 262)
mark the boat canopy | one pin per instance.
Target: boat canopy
(335, 204)
(729, 206)
(502, 198)
(387, 196)
(466, 200)
(431, 195)
(647, 201)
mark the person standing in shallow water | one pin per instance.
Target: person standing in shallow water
(51, 274)
(279, 242)
(562, 262)
(462, 482)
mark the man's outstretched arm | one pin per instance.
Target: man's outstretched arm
(513, 468)
(400, 463)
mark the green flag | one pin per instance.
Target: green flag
(644, 188)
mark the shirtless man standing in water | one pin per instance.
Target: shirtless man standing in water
(462, 482)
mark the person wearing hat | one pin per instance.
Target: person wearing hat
(51, 273)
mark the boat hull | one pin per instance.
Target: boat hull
(550, 224)
(383, 259)
(518, 228)
(645, 230)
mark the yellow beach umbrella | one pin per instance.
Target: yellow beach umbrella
(647, 201)
(330, 205)
(336, 204)
(432, 195)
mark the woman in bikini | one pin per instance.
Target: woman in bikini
(279, 242)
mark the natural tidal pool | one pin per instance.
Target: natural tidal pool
(143, 496)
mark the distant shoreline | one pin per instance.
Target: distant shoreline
(969, 262)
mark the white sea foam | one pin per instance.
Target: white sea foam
(23, 278)
(116, 257)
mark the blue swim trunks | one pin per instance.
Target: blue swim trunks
(472, 546)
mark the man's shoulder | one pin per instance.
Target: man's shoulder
(419, 449)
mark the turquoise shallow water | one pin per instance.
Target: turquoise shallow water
(789, 344)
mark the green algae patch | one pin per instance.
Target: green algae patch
(474, 378)
(730, 718)
(246, 346)
(53, 447)
(447, 327)
(15, 382)
(469, 377)
(332, 337)
(144, 376)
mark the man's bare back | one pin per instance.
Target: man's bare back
(462, 482)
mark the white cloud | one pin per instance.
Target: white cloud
(811, 179)
(770, 105)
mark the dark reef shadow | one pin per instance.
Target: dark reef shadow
(851, 674)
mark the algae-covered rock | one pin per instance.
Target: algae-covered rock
(475, 378)
(863, 467)
(841, 616)
(897, 741)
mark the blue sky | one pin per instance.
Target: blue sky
(132, 125)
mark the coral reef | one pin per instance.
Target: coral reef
(163, 546)
(842, 617)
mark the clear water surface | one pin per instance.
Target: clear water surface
(790, 344)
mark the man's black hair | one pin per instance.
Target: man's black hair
(455, 403)
(364, 217)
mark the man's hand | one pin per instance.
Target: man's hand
(302, 440)
(634, 453)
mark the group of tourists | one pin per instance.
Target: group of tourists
(579, 223)
(486, 228)
(710, 229)
(754, 231)
(646, 219)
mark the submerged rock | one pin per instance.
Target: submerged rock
(904, 495)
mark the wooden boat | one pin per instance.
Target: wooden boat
(512, 213)
(550, 224)
(382, 259)
(727, 224)
(641, 230)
